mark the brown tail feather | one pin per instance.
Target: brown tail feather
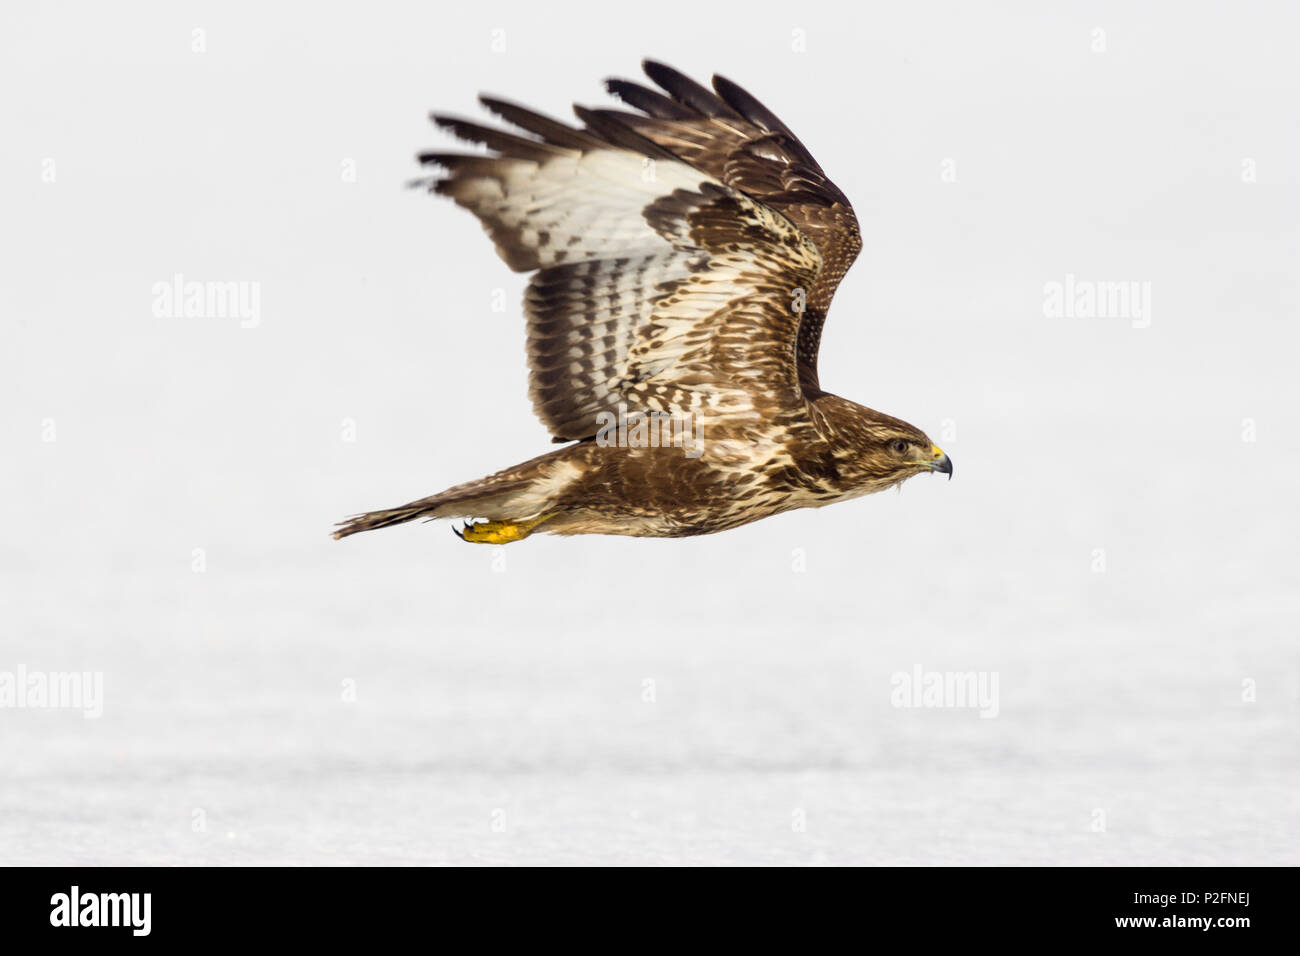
(379, 519)
(496, 497)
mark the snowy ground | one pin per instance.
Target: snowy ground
(496, 719)
(1118, 543)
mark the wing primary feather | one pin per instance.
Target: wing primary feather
(651, 102)
(450, 161)
(611, 128)
(445, 160)
(550, 130)
(685, 90)
(749, 107)
(508, 144)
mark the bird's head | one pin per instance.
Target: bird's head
(909, 452)
(884, 451)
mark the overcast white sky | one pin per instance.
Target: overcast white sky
(170, 481)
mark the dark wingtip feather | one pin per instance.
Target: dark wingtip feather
(611, 127)
(445, 160)
(507, 144)
(686, 91)
(748, 106)
(550, 130)
(651, 102)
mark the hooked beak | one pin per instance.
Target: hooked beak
(940, 462)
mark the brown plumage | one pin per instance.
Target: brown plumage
(684, 257)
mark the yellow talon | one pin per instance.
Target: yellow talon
(500, 532)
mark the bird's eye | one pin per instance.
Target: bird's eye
(899, 446)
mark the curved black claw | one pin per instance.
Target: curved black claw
(456, 531)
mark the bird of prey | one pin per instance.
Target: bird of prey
(683, 256)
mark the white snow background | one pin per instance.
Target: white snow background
(1114, 545)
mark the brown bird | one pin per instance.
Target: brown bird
(683, 259)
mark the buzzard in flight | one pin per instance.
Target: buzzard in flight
(683, 256)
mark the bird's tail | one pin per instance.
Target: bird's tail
(520, 497)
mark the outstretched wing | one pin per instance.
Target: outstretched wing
(657, 286)
(728, 134)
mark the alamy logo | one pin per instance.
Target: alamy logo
(649, 430)
(102, 909)
(1087, 299)
(191, 299)
(950, 689)
(53, 690)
